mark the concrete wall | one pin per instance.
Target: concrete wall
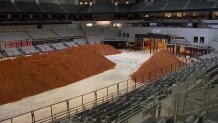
(188, 33)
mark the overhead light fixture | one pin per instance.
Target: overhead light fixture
(81, 3)
(127, 2)
(116, 3)
(89, 24)
(86, 3)
(90, 4)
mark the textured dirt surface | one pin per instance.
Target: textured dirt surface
(27, 76)
(157, 65)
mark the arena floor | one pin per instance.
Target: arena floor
(126, 64)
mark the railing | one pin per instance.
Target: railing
(89, 100)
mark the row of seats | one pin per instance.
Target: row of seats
(138, 99)
(42, 48)
(57, 33)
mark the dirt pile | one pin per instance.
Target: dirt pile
(27, 76)
(158, 65)
(105, 49)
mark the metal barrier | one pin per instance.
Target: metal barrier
(89, 100)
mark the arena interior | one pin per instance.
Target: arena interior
(108, 61)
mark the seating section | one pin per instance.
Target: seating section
(42, 34)
(70, 44)
(92, 31)
(29, 50)
(14, 36)
(58, 46)
(200, 4)
(138, 99)
(138, 7)
(68, 32)
(52, 7)
(103, 8)
(44, 48)
(7, 6)
(156, 5)
(111, 32)
(12, 52)
(28, 7)
(80, 41)
(95, 39)
(176, 4)
(70, 8)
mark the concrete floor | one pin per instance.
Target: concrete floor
(126, 64)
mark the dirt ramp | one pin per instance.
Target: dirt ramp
(27, 76)
(159, 64)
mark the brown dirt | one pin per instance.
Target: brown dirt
(158, 65)
(27, 76)
(105, 49)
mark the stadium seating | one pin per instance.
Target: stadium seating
(68, 32)
(7, 6)
(11, 52)
(70, 44)
(92, 31)
(137, 99)
(200, 4)
(80, 41)
(58, 46)
(14, 36)
(70, 8)
(111, 32)
(157, 5)
(41, 34)
(52, 7)
(95, 39)
(138, 7)
(174, 5)
(28, 7)
(44, 48)
(102, 9)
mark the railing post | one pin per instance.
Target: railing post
(127, 86)
(107, 93)
(52, 118)
(118, 91)
(135, 83)
(68, 108)
(33, 116)
(82, 103)
(96, 97)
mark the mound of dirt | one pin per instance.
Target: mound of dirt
(158, 65)
(105, 49)
(27, 76)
